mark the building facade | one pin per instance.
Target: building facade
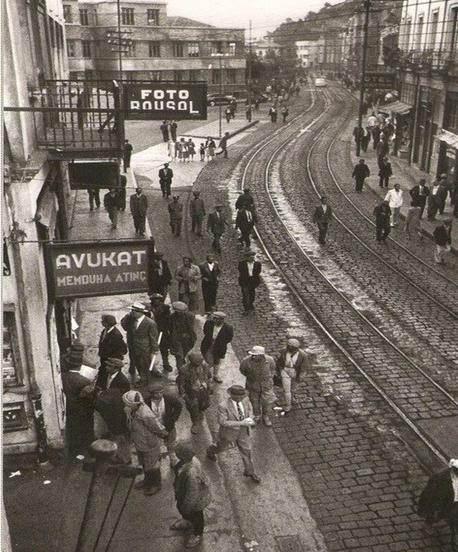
(310, 53)
(428, 43)
(153, 45)
(35, 204)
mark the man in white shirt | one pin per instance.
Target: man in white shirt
(395, 200)
(290, 364)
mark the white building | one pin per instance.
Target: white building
(310, 52)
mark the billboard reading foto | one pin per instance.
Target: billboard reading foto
(86, 269)
(165, 100)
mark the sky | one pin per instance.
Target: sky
(266, 15)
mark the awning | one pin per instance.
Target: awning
(46, 214)
(448, 137)
(398, 107)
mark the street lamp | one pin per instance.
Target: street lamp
(220, 56)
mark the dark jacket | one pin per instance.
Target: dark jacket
(159, 276)
(219, 345)
(442, 235)
(245, 279)
(112, 344)
(161, 315)
(385, 170)
(173, 408)
(242, 222)
(209, 277)
(382, 214)
(182, 330)
(361, 171)
(418, 199)
(143, 339)
(192, 491)
(111, 202)
(216, 224)
(110, 406)
(197, 207)
(320, 217)
(436, 500)
(175, 210)
(138, 205)
(165, 177)
(245, 200)
(301, 364)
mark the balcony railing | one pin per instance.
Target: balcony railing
(428, 60)
(79, 118)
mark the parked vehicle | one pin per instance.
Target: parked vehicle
(320, 82)
(219, 99)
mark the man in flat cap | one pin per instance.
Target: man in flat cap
(210, 272)
(188, 275)
(197, 212)
(439, 500)
(138, 209)
(291, 363)
(182, 333)
(216, 225)
(111, 345)
(175, 208)
(142, 337)
(159, 274)
(259, 369)
(161, 314)
(235, 418)
(217, 336)
(245, 221)
(167, 409)
(249, 280)
(246, 201)
(165, 180)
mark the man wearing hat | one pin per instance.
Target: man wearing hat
(249, 280)
(439, 500)
(291, 363)
(235, 418)
(194, 384)
(110, 406)
(188, 275)
(245, 223)
(159, 274)
(217, 336)
(111, 345)
(245, 200)
(142, 337)
(79, 410)
(182, 333)
(259, 369)
(176, 215)
(216, 225)
(192, 494)
(197, 211)
(165, 180)
(210, 272)
(167, 409)
(161, 313)
(138, 209)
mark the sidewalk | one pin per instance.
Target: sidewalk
(407, 176)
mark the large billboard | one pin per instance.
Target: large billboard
(165, 100)
(86, 269)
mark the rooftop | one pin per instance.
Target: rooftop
(177, 21)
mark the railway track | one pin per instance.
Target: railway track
(408, 390)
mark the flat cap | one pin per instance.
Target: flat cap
(257, 350)
(294, 343)
(179, 306)
(116, 362)
(237, 391)
(219, 314)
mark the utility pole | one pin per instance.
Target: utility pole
(367, 5)
(119, 42)
(249, 66)
(220, 93)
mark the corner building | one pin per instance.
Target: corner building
(155, 46)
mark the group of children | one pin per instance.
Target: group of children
(185, 150)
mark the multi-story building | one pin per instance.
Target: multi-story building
(310, 52)
(153, 45)
(428, 58)
(34, 209)
(265, 46)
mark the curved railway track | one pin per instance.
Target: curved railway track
(406, 388)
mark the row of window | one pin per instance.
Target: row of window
(434, 34)
(179, 49)
(89, 17)
(228, 76)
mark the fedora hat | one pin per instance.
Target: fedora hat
(219, 314)
(138, 307)
(237, 391)
(257, 350)
(293, 342)
(116, 362)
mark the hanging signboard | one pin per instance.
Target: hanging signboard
(85, 175)
(165, 100)
(85, 269)
(379, 81)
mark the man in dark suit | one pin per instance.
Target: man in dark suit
(138, 208)
(182, 333)
(249, 280)
(167, 409)
(108, 403)
(235, 418)
(245, 200)
(210, 278)
(111, 345)
(161, 314)
(126, 154)
(165, 180)
(217, 336)
(223, 145)
(216, 224)
(419, 195)
(245, 223)
(439, 500)
(322, 217)
(360, 173)
(142, 337)
(197, 212)
(159, 274)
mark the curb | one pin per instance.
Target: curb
(231, 134)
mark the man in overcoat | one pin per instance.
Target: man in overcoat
(161, 314)
(235, 419)
(322, 218)
(138, 209)
(188, 275)
(245, 223)
(111, 345)
(197, 212)
(210, 272)
(216, 225)
(249, 279)
(217, 336)
(165, 180)
(159, 274)
(142, 337)
(175, 209)
(182, 333)
(360, 173)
